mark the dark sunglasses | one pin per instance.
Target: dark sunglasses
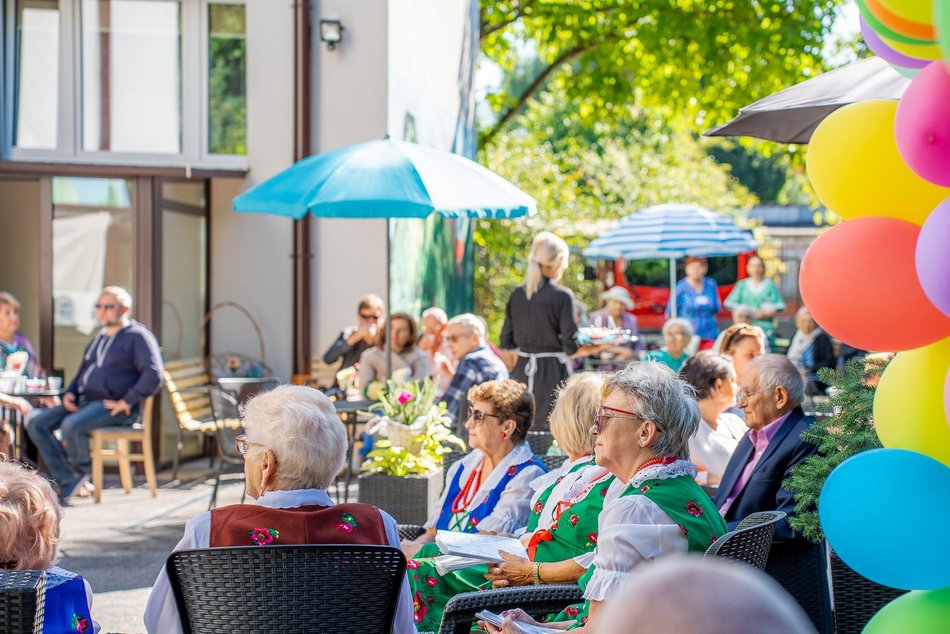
(478, 415)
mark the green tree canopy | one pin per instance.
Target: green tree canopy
(689, 60)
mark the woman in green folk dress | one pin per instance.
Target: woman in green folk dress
(643, 430)
(759, 294)
(562, 527)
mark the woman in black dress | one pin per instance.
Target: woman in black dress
(539, 323)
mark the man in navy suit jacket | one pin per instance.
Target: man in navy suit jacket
(771, 395)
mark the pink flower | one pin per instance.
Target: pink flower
(262, 536)
(473, 521)
(592, 538)
(694, 509)
(432, 581)
(644, 489)
(419, 608)
(343, 527)
(405, 396)
(512, 470)
(538, 507)
(80, 623)
(712, 540)
(431, 600)
(412, 564)
(574, 520)
(571, 610)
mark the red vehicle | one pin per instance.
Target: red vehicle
(649, 283)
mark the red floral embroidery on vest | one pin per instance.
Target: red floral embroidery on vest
(419, 608)
(346, 524)
(80, 623)
(263, 536)
(512, 470)
(571, 610)
(694, 509)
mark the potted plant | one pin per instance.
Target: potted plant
(403, 472)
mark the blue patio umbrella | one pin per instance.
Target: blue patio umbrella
(671, 232)
(386, 179)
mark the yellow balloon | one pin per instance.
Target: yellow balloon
(919, 51)
(916, 10)
(853, 163)
(908, 405)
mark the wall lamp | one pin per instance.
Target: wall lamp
(331, 32)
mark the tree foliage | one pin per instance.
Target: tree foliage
(689, 60)
(584, 179)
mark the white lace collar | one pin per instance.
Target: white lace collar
(675, 469)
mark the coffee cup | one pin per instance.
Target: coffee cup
(54, 383)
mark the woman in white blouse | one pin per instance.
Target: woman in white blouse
(489, 490)
(407, 358)
(712, 376)
(643, 430)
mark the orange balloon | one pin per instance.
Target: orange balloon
(860, 283)
(901, 24)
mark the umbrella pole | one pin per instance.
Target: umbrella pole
(389, 306)
(673, 287)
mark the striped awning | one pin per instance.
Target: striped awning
(671, 231)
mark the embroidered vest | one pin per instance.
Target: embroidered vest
(66, 607)
(483, 510)
(249, 524)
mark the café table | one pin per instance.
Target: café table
(24, 450)
(349, 414)
(244, 387)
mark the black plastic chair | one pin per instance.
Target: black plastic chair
(750, 542)
(537, 601)
(801, 568)
(856, 598)
(22, 599)
(315, 588)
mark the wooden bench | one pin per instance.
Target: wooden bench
(184, 379)
(122, 437)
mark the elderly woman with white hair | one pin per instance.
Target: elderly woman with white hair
(294, 445)
(677, 333)
(643, 428)
(540, 324)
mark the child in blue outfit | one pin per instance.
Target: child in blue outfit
(30, 516)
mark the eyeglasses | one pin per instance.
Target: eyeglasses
(372, 317)
(744, 395)
(606, 413)
(478, 415)
(242, 445)
(105, 306)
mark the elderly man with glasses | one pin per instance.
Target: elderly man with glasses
(770, 393)
(477, 364)
(120, 368)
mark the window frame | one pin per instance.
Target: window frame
(195, 151)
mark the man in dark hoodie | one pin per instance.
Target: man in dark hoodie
(120, 368)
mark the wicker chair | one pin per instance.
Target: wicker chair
(801, 568)
(540, 442)
(314, 588)
(22, 598)
(535, 600)
(750, 542)
(857, 598)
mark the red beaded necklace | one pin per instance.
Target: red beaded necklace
(469, 490)
(655, 461)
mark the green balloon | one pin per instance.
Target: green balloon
(942, 25)
(917, 612)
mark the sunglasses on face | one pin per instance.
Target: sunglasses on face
(478, 415)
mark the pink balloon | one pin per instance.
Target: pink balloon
(930, 257)
(922, 124)
(885, 52)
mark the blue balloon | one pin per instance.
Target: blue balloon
(886, 512)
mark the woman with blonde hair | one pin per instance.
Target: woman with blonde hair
(540, 324)
(30, 519)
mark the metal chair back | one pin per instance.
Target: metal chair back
(312, 588)
(751, 541)
(22, 601)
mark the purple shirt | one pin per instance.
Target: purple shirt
(760, 441)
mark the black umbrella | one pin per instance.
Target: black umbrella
(791, 115)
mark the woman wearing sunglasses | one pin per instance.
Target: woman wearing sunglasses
(643, 428)
(562, 527)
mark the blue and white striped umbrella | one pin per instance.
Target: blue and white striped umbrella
(671, 231)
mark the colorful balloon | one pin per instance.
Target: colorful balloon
(909, 410)
(883, 511)
(909, 73)
(917, 48)
(922, 612)
(899, 24)
(856, 170)
(885, 52)
(860, 283)
(916, 10)
(946, 397)
(922, 124)
(933, 248)
(886, 30)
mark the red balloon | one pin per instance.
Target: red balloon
(860, 283)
